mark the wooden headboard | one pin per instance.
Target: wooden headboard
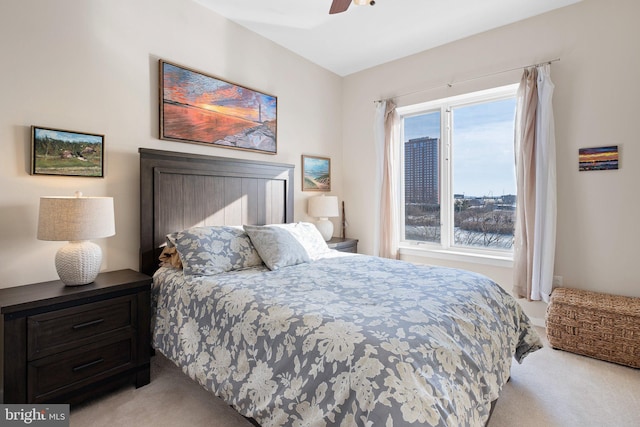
(181, 190)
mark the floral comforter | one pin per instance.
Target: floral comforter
(344, 341)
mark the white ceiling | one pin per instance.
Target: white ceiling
(366, 36)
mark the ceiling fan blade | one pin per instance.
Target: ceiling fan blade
(339, 6)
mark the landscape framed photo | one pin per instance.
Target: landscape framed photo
(598, 158)
(66, 152)
(202, 109)
(316, 173)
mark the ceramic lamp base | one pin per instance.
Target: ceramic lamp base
(325, 227)
(78, 263)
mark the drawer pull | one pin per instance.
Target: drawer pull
(85, 324)
(87, 365)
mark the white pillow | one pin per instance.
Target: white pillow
(277, 246)
(308, 236)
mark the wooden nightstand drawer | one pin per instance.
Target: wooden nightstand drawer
(61, 330)
(57, 374)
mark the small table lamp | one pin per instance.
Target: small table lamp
(76, 219)
(323, 207)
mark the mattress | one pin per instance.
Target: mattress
(344, 340)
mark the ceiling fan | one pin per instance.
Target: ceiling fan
(339, 6)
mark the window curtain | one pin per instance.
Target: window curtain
(386, 133)
(535, 232)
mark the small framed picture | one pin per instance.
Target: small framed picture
(66, 152)
(598, 158)
(316, 173)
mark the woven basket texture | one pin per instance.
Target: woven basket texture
(594, 324)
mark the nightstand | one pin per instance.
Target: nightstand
(343, 244)
(63, 344)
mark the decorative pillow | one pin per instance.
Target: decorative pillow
(308, 236)
(277, 246)
(170, 258)
(207, 251)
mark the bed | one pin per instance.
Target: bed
(291, 333)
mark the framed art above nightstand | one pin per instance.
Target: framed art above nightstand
(62, 344)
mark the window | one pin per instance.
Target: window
(458, 171)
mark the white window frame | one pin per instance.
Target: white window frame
(446, 249)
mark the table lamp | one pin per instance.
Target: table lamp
(323, 207)
(76, 220)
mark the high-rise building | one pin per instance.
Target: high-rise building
(421, 170)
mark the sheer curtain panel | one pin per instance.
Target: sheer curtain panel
(386, 135)
(546, 194)
(534, 245)
(378, 141)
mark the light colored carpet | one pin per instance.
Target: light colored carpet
(551, 388)
(554, 388)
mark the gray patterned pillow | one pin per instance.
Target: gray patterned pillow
(277, 246)
(206, 251)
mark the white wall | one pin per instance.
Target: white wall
(595, 102)
(91, 65)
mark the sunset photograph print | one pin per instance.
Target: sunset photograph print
(598, 158)
(203, 109)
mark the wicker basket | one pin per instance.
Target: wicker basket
(594, 324)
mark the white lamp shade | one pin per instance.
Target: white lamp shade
(75, 218)
(323, 206)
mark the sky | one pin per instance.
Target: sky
(68, 136)
(192, 88)
(482, 146)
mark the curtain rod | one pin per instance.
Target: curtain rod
(473, 78)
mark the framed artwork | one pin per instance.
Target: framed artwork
(66, 152)
(598, 158)
(316, 173)
(202, 109)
